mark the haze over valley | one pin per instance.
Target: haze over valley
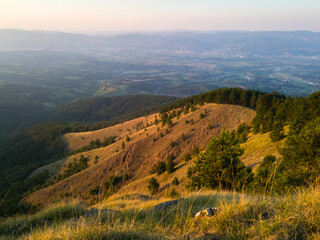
(40, 71)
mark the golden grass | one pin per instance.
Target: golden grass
(258, 146)
(75, 141)
(241, 216)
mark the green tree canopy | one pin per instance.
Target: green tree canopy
(220, 165)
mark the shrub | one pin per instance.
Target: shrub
(263, 178)
(187, 157)
(195, 151)
(158, 168)
(173, 193)
(171, 143)
(94, 191)
(111, 184)
(175, 181)
(125, 177)
(170, 165)
(183, 137)
(153, 186)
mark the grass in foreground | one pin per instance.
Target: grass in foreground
(241, 217)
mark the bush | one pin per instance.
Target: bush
(175, 181)
(158, 168)
(111, 184)
(183, 137)
(170, 165)
(125, 177)
(94, 191)
(173, 193)
(153, 186)
(96, 159)
(263, 178)
(195, 151)
(171, 143)
(187, 157)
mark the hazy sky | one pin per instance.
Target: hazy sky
(154, 15)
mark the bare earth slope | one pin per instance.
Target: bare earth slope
(145, 148)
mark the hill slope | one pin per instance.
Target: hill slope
(144, 149)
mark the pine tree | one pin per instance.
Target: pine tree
(277, 133)
(220, 166)
(153, 186)
(170, 165)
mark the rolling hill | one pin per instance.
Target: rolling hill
(111, 197)
(145, 149)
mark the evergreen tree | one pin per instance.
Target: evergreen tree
(265, 175)
(159, 168)
(300, 163)
(153, 186)
(220, 166)
(243, 99)
(277, 132)
(170, 165)
(187, 157)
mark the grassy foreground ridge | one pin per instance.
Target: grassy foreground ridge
(241, 216)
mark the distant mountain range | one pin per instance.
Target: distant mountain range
(243, 44)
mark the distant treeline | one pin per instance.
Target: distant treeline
(95, 109)
(271, 108)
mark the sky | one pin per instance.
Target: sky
(85, 16)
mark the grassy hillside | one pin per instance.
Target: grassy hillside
(125, 210)
(240, 217)
(41, 144)
(145, 148)
(258, 146)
